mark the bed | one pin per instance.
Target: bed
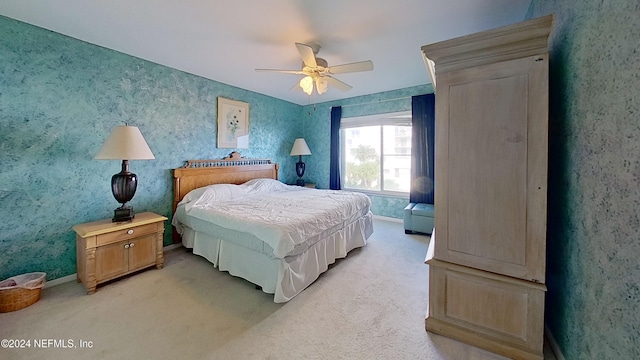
(235, 213)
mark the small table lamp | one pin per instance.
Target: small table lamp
(300, 148)
(125, 143)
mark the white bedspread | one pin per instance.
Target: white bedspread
(289, 218)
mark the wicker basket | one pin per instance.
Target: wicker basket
(20, 291)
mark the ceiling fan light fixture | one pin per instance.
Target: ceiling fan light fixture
(321, 85)
(318, 71)
(306, 83)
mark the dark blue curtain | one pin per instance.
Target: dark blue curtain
(334, 165)
(422, 148)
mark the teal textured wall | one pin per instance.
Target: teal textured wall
(593, 272)
(59, 100)
(317, 132)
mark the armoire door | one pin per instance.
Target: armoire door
(491, 160)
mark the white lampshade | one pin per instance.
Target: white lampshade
(306, 83)
(125, 143)
(321, 85)
(300, 148)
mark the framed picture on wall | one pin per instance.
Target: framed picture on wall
(233, 124)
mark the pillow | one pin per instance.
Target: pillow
(264, 185)
(194, 195)
(212, 193)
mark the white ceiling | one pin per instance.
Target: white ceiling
(227, 40)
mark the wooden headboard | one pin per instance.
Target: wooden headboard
(231, 170)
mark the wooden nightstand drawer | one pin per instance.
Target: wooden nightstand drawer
(126, 234)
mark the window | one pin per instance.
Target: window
(376, 153)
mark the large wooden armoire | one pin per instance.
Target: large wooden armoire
(487, 255)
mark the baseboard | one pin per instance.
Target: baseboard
(172, 246)
(61, 280)
(72, 277)
(386, 218)
(553, 344)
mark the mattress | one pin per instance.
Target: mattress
(193, 229)
(285, 220)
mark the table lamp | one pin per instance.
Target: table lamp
(124, 143)
(300, 148)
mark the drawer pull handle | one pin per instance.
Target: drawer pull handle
(130, 231)
(126, 246)
(131, 245)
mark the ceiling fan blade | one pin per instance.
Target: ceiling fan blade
(308, 57)
(298, 72)
(295, 86)
(337, 83)
(353, 67)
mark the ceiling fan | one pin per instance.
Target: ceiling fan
(317, 70)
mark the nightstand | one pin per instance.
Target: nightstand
(307, 185)
(107, 250)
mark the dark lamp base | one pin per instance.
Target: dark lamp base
(123, 214)
(300, 171)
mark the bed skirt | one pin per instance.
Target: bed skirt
(284, 277)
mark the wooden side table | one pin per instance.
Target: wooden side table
(307, 185)
(107, 250)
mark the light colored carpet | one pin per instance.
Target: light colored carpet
(370, 305)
